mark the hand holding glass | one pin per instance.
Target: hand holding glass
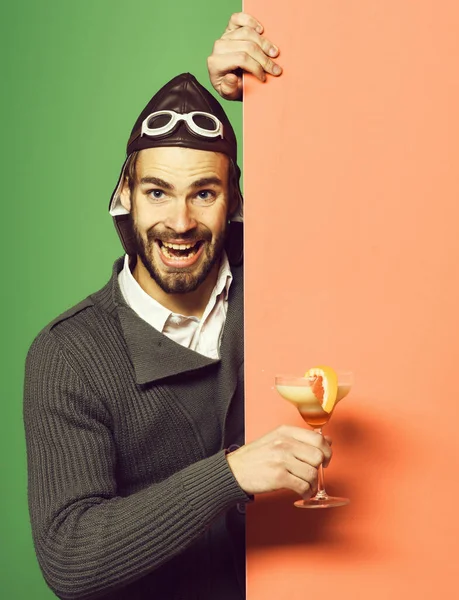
(299, 391)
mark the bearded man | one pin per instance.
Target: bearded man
(134, 398)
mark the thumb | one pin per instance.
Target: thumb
(231, 87)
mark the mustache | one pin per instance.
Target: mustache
(195, 235)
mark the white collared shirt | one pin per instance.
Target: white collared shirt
(202, 335)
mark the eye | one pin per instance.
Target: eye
(206, 196)
(156, 194)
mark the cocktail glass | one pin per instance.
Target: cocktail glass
(298, 391)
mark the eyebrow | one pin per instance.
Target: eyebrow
(207, 181)
(157, 181)
(199, 183)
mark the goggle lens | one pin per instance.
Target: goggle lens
(156, 121)
(204, 122)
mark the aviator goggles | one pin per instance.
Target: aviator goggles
(199, 123)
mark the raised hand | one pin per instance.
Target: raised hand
(242, 48)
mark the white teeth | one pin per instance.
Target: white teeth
(166, 253)
(178, 246)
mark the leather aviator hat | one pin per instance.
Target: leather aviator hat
(182, 113)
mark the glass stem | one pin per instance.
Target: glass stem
(321, 493)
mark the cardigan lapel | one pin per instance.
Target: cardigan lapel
(154, 356)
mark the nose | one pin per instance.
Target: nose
(180, 217)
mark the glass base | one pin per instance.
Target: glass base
(327, 502)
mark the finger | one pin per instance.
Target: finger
(301, 486)
(289, 449)
(249, 35)
(237, 48)
(302, 434)
(307, 454)
(222, 64)
(231, 86)
(303, 471)
(242, 19)
(328, 458)
(312, 445)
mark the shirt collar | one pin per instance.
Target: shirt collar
(154, 313)
(225, 277)
(144, 305)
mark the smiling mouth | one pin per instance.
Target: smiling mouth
(179, 251)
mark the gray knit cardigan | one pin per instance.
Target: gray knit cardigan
(130, 494)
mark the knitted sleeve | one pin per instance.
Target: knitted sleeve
(89, 540)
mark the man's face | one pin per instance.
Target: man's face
(179, 209)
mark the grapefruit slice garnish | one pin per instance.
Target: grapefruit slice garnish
(324, 385)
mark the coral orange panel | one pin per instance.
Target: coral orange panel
(351, 174)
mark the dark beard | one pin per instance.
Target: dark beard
(180, 281)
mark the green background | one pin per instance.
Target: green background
(75, 76)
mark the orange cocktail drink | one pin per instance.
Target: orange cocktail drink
(315, 396)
